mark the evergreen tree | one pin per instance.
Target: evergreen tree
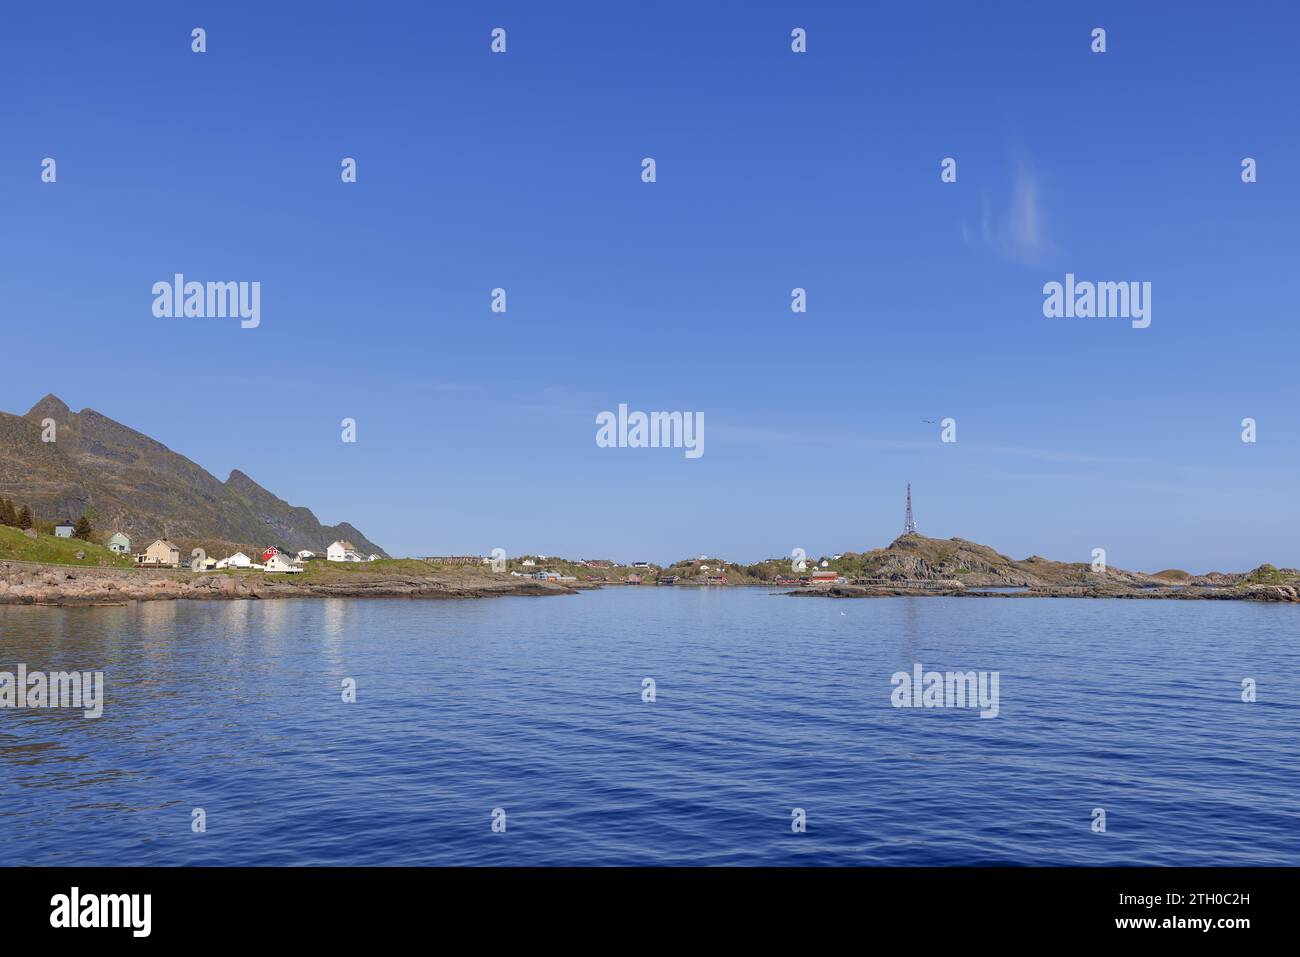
(25, 517)
(82, 529)
(7, 514)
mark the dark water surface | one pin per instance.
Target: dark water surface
(764, 704)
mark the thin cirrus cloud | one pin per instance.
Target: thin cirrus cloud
(1019, 234)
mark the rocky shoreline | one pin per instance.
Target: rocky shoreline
(30, 584)
(23, 583)
(1238, 592)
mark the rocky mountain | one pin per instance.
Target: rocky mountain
(139, 486)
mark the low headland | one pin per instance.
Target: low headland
(46, 570)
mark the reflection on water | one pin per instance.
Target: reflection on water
(764, 703)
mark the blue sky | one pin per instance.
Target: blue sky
(775, 170)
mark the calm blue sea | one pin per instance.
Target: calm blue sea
(764, 704)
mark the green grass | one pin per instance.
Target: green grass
(320, 568)
(15, 546)
(1268, 575)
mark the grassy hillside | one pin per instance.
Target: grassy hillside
(564, 566)
(385, 566)
(15, 546)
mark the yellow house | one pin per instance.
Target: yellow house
(162, 552)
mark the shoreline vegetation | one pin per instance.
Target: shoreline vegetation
(40, 569)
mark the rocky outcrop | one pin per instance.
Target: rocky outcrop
(24, 584)
(1248, 592)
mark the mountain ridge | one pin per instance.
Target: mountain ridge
(137, 485)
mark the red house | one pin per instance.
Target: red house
(266, 555)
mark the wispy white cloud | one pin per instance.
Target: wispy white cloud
(1020, 234)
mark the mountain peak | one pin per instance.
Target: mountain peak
(142, 488)
(50, 406)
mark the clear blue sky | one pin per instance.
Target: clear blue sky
(775, 170)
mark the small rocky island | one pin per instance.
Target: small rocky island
(916, 565)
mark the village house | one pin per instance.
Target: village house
(343, 552)
(237, 560)
(117, 542)
(162, 552)
(64, 529)
(280, 563)
(306, 556)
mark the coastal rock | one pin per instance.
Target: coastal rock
(22, 583)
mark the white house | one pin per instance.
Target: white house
(344, 552)
(237, 560)
(279, 563)
(117, 542)
(305, 555)
(64, 529)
